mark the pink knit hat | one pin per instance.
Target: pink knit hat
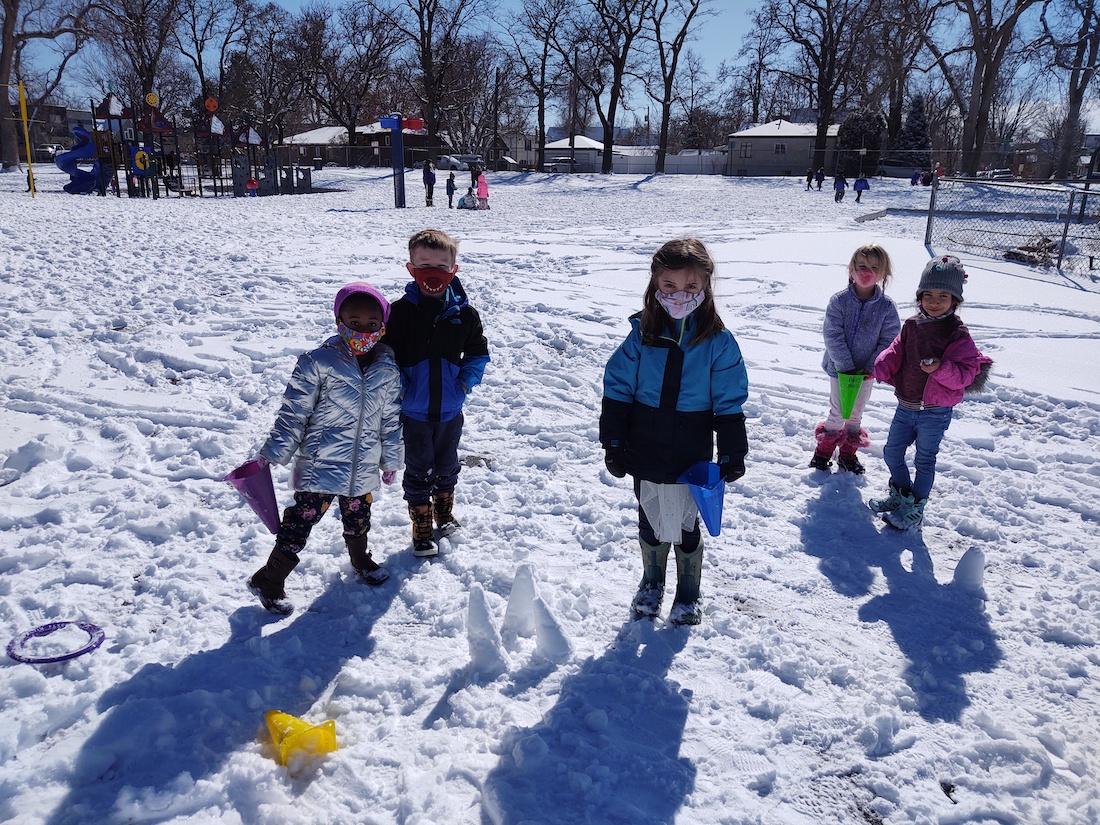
(366, 289)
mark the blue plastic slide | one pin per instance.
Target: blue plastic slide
(82, 181)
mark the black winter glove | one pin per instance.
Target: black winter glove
(733, 445)
(732, 470)
(615, 461)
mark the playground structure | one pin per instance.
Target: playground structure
(141, 156)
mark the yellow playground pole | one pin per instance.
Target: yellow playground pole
(26, 137)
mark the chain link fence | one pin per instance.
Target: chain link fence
(1051, 225)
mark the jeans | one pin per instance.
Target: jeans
(925, 428)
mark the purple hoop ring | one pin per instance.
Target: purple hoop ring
(15, 646)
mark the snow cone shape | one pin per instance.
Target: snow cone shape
(850, 382)
(704, 479)
(253, 481)
(551, 642)
(519, 617)
(296, 740)
(486, 656)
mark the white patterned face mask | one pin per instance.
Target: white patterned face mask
(680, 304)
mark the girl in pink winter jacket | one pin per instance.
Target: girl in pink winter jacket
(931, 363)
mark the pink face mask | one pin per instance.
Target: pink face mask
(680, 304)
(865, 278)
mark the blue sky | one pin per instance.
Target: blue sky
(717, 39)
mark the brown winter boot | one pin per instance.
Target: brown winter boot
(423, 536)
(361, 560)
(444, 518)
(267, 582)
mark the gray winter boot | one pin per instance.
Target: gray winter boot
(687, 608)
(651, 591)
(267, 582)
(909, 515)
(890, 503)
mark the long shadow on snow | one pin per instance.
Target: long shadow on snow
(942, 629)
(608, 750)
(189, 717)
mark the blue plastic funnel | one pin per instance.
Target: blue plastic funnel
(704, 479)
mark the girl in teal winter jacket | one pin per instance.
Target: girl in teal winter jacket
(676, 381)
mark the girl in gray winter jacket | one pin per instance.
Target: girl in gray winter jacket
(860, 322)
(340, 423)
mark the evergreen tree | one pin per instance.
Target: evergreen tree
(915, 143)
(862, 130)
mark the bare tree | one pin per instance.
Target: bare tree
(432, 30)
(828, 35)
(761, 48)
(598, 50)
(210, 30)
(992, 28)
(264, 79)
(535, 27)
(139, 31)
(64, 26)
(895, 50)
(671, 22)
(342, 55)
(1072, 29)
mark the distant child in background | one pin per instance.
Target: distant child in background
(469, 200)
(340, 421)
(819, 177)
(429, 182)
(809, 179)
(931, 364)
(860, 322)
(482, 192)
(676, 380)
(442, 353)
(860, 186)
(840, 183)
(451, 191)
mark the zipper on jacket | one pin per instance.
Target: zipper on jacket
(358, 430)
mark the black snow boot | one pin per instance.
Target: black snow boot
(367, 568)
(267, 582)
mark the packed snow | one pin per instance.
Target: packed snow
(843, 673)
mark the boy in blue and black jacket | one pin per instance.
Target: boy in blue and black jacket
(441, 351)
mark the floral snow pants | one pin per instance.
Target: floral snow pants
(308, 509)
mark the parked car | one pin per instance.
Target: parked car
(46, 152)
(561, 165)
(996, 174)
(451, 162)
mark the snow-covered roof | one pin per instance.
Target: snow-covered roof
(324, 135)
(579, 142)
(782, 128)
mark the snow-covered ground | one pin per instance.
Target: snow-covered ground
(842, 673)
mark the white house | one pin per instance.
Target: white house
(776, 148)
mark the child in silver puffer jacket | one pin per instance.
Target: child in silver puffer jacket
(340, 423)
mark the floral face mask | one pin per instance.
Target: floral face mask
(360, 343)
(680, 304)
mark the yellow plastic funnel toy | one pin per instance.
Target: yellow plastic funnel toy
(295, 738)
